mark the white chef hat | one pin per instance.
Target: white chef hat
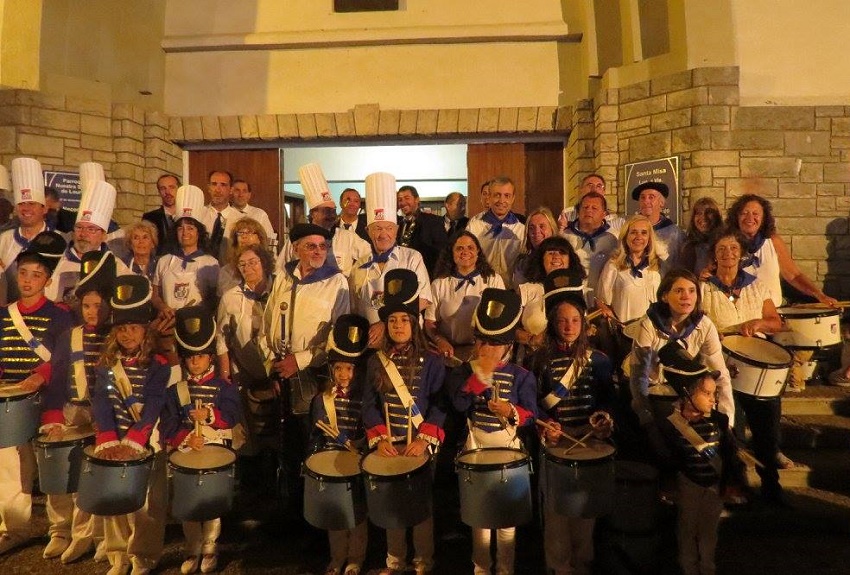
(97, 204)
(27, 181)
(315, 186)
(90, 173)
(189, 203)
(380, 198)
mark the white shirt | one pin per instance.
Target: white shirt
(239, 319)
(454, 308)
(67, 274)
(9, 250)
(367, 283)
(627, 295)
(178, 286)
(230, 216)
(258, 214)
(501, 251)
(533, 319)
(725, 313)
(767, 270)
(593, 260)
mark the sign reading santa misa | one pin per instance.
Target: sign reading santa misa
(664, 170)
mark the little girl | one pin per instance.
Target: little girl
(339, 407)
(208, 401)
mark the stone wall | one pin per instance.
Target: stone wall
(61, 132)
(798, 157)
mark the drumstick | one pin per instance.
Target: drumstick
(593, 315)
(410, 423)
(585, 436)
(562, 433)
(197, 421)
(333, 434)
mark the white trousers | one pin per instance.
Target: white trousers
(201, 536)
(423, 546)
(505, 550)
(17, 474)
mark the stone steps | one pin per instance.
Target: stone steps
(815, 431)
(817, 400)
(822, 468)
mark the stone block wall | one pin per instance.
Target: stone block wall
(62, 132)
(798, 157)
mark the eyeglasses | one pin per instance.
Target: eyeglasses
(248, 264)
(316, 247)
(243, 233)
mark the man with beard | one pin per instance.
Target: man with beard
(417, 230)
(163, 216)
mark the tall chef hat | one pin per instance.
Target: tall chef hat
(97, 204)
(189, 203)
(315, 186)
(90, 174)
(194, 331)
(380, 198)
(27, 181)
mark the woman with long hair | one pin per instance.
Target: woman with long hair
(539, 225)
(705, 223)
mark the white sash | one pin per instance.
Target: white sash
(330, 408)
(26, 334)
(566, 382)
(691, 436)
(125, 388)
(402, 391)
(79, 365)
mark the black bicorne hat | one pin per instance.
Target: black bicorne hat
(564, 285)
(497, 315)
(659, 187)
(131, 300)
(303, 230)
(681, 369)
(348, 338)
(45, 248)
(194, 331)
(401, 289)
(97, 273)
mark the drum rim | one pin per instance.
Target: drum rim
(547, 453)
(205, 470)
(19, 397)
(757, 362)
(491, 466)
(114, 463)
(803, 313)
(373, 477)
(85, 440)
(330, 478)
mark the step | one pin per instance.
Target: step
(825, 469)
(815, 431)
(817, 400)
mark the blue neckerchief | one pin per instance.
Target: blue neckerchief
(318, 275)
(469, 278)
(664, 222)
(137, 269)
(733, 292)
(187, 258)
(22, 241)
(659, 313)
(751, 259)
(254, 296)
(637, 270)
(589, 239)
(496, 224)
(377, 258)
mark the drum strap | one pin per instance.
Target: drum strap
(125, 389)
(330, 408)
(401, 390)
(26, 334)
(691, 436)
(78, 364)
(561, 388)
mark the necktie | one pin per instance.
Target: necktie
(217, 233)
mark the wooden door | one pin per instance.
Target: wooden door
(544, 176)
(486, 161)
(260, 168)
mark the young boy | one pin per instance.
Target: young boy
(194, 333)
(28, 329)
(705, 454)
(339, 407)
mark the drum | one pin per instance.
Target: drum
(661, 399)
(495, 487)
(580, 480)
(757, 366)
(203, 482)
(398, 489)
(635, 497)
(19, 415)
(59, 462)
(809, 328)
(333, 490)
(113, 487)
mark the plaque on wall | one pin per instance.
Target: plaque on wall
(68, 185)
(665, 170)
(364, 5)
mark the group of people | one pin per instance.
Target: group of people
(371, 332)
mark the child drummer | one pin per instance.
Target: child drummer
(401, 412)
(576, 393)
(200, 410)
(67, 402)
(28, 328)
(336, 417)
(705, 454)
(130, 381)
(498, 398)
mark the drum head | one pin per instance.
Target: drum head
(375, 464)
(491, 457)
(13, 391)
(757, 351)
(334, 463)
(596, 449)
(88, 453)
(207, 458)
(70, 435)
(805, 313)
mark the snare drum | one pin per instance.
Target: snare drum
(333, 490)
(113, 487)
(757, 366)
(19, 415)
(809, 328)
(203, 482)
(59, 461)
(495, 487)
(398, 489)
(580, 480)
